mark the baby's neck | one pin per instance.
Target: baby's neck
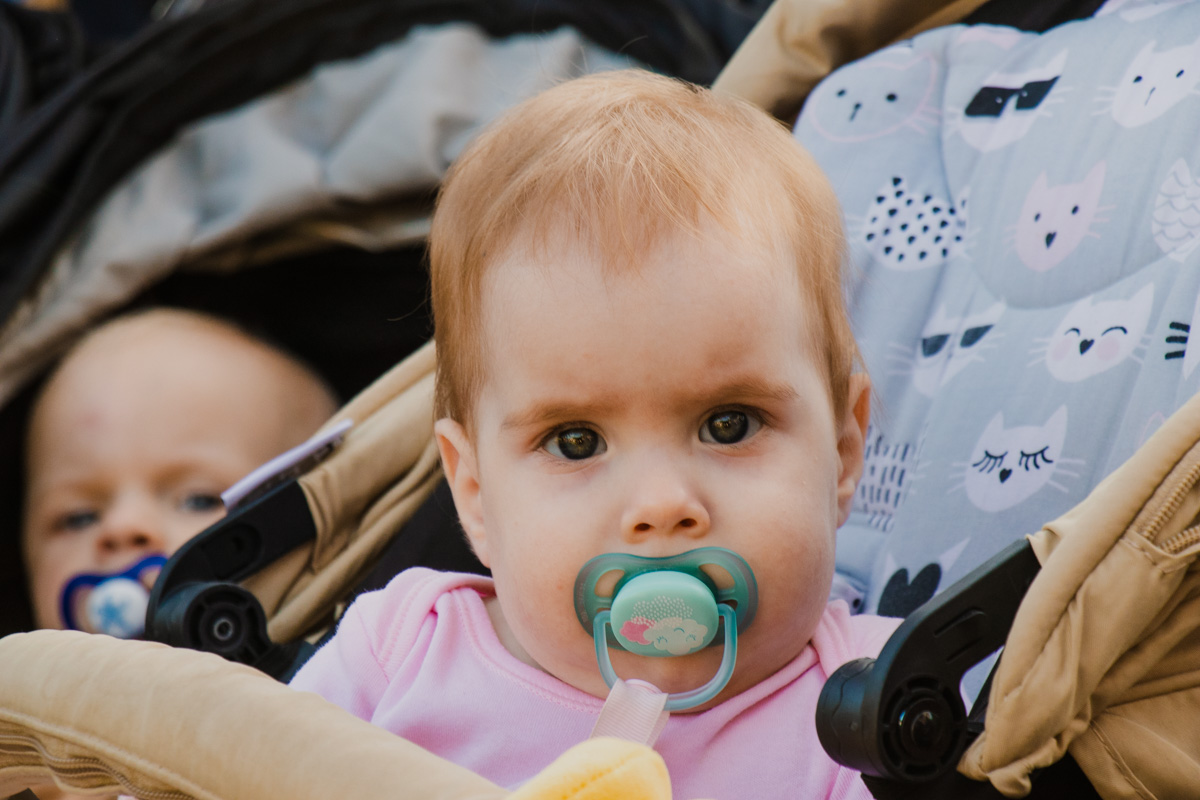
(505, 634)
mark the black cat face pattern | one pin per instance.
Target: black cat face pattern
(906, 229)
(903, 595)
(947, 345)
(1005, 108)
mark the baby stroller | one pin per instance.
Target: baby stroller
(57, 744)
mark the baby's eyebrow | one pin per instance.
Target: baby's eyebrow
(554, 411)
(754, 389)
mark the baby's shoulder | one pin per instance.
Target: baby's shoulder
(841, 636)
(392, 617)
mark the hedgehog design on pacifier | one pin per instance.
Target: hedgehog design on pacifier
(665, 607)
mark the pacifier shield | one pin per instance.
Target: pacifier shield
(664, 614)
(111, 603)
(117, 607)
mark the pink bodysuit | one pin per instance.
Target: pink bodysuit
(421, 659)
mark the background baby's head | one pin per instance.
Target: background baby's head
(617, 163)
(136, 433)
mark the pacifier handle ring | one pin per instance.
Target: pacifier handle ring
(676, 701)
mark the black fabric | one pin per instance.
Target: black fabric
(39, 52)
(349, 313)
(16, 613)
(111, 20)
(78, 145)
(1061, 781)
(1035, 17)
(431, 538)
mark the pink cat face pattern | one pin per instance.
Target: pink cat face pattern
(892, 92)
(1055, 219)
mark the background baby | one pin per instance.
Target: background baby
(132, 439)
(642, 350)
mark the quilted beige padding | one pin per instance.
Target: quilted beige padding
(1104, 655)
(799, 42)
(106, 715)
(102, 715)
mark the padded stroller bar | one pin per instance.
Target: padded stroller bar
(104, 715)
(901, 716)
(98, 713)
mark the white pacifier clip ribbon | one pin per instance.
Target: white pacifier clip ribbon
(634, 711)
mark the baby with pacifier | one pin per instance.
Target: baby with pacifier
(651, 422)
(130, 443)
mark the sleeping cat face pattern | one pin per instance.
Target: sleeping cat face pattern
(1052, 251)
(1008, 465)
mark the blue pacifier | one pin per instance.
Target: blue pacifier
(669, 606)
(113, 603)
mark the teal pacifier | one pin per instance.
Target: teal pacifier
(669, 606)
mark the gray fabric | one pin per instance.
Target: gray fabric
(1031, 349)
(354, 133)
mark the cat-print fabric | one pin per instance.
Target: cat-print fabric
(1023, 213)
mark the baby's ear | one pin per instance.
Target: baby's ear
(852, 437)
(462, 473)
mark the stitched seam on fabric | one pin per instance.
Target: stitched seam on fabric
(1147, 550)
(1130, 779)
(88, 740)
(392, 639)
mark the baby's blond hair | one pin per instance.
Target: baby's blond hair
(616, 161)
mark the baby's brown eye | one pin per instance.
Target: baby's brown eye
(728, 427)
(575, 444)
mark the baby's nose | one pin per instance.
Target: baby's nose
(130, 524)
(664, 505)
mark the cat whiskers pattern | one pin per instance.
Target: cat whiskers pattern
(1008, 465)
(946, 346)
(1154, 82)
(1097, 335)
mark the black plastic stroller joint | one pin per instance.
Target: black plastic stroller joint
(901, 716)
(196, 601)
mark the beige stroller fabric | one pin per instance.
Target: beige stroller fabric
(799, 42)
(359, 497)
(102, 715)
(1103, 658)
